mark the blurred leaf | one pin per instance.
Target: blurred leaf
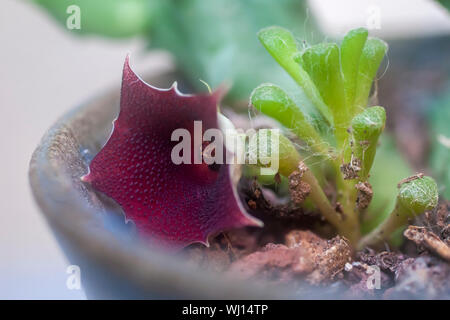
(112, 18)
(439, 120)
(445, 3)
(213, 40)
(216, 41)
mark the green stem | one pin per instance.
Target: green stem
(347, 198)
(289, 160)
(384, 230)
(321, 201)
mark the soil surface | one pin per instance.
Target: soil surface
(297, 248)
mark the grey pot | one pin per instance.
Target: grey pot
(91, 229)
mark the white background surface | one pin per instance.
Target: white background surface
(397, 18)
(44, 71)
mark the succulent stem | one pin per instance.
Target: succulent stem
(289, 161)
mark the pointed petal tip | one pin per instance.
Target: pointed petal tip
(86, 178)
(205, 242)
(174, 87)
(247, 220)
(254, 222)
(221, 91)
(127, 72)
(126, 64)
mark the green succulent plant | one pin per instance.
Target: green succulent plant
(340, 137)
(337, 79)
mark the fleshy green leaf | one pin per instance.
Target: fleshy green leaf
(371, 57)
(281, 44)
(417, 196)
(322, 63)
(274, 102)
(210, 40)
(366, 129)
(351, 49)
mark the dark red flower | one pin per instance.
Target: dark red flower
(171, 205)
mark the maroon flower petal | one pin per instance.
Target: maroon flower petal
(171, 205)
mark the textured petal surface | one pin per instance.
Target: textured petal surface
(171, 205)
